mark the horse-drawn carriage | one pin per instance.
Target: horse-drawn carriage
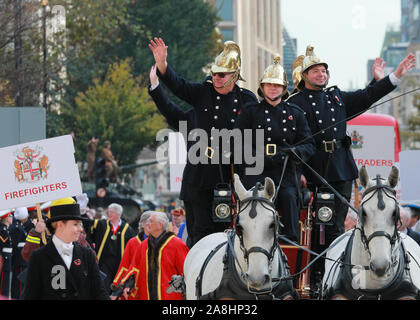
(253, 261)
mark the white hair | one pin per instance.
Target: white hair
(404, 214)
(118, 208)
(143, 219)
(162, 218)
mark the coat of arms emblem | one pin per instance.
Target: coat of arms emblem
(30, 165)
(356, 140)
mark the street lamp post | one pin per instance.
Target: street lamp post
(44, 52)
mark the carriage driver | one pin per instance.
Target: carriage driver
(216, 103)
(284, 125)
(327, 110)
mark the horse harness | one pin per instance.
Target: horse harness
(231, 284)
(380, 189)
(401, 285)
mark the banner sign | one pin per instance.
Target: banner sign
(177, 154)
(373, 147)
(37, 172)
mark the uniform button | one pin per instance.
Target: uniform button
(294, 128)
(211, 138)
(335, 129)
(268, 119)
(236, 100)
(329, 101)
(317, 112)
(234, 110)
(320, 121)
(259, 126)
(333, 119)
(304, 113)
(233, 120)
(284, 111)
(217, 107)
(213, 128)
(284, 120)
(205, 109)
(284, 129)
(268, 139)
(310, 96)
(266, 111)
(313, 103)
(341, 104)
(282, 157)
(215, 117)
(284, 139)
(332, 109)
(241, 89)
(218, 98)
(269, 128)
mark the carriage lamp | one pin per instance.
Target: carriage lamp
(222, 211)
(324, 208)
(325, 214)
(222, 203)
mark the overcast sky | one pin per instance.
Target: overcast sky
(345, 33)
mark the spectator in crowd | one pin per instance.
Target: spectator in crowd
(155, 262)
(109, 238)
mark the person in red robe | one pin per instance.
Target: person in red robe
(155, 262)
(133, 245)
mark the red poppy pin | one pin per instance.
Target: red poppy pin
(239, 112)
(77, 262)
(336, 98)
(290, 117)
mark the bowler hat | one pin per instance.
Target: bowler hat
(64, 210)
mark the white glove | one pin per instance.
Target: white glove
(83, 201)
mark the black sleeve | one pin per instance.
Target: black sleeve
(172, 112)
(98, 291)
(187, 91)
(305, 143)
(360, 100)
(33, 280)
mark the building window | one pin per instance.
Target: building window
(418, 59)
(258, 19)
(225, 9)
(227, 34)
(416, 11)
(265, 20)
(260, 62)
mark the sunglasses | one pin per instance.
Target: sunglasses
(221, 74)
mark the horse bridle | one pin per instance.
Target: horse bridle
(253, 200)
(381, 189)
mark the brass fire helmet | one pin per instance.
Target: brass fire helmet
(274, 73)
(302, 64)
(229, 60)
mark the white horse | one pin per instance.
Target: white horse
(374, 260)
(243, 263)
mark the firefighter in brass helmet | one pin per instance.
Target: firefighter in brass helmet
(326, 110)
(216, 103)
(284, 126)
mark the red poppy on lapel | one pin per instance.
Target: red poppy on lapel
(77, 262)
(239, 112)
(336, 98)
(290, 117)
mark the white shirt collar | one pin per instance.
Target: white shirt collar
(62, 247)
(115, 226)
